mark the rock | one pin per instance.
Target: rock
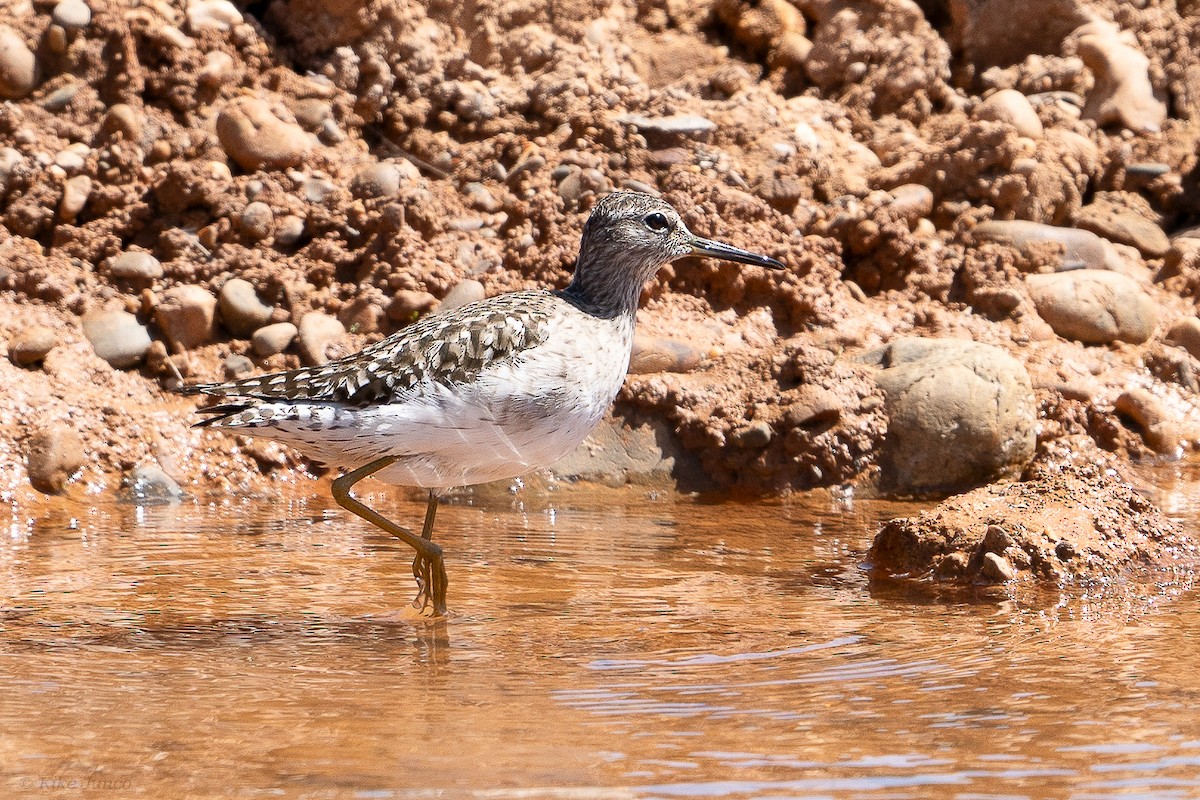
(959, 414)
(1013, 108)
(135, 265)
(18, 65)
(1093, 306)
(463, 292)
(76, 192)
(236, 366)
(255, 138)
(219, 15)
(376, 180)
(1080, 520)
(1124, 227)
(257, 220)
(31, 345)
(408, 304)
(660, 354)
(72, 15)
(1079, 246)
(1185, 333)
(1123, 94)
(754, 436)
(121, 119)
(690, 125)
(241, 310)
(1160, 432)
(913, 200)
(480, 197)
(186, 315)
(270, 340)
(615, 454)
(117, 337)
(996, 569)
(316, 332)
(289, 230)
(53, 455)
(149, 485)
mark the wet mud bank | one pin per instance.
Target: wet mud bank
(990, 238)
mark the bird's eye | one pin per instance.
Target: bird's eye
(657, 222)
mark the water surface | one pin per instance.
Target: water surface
(602, 644)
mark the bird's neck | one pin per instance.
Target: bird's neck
(603, 291)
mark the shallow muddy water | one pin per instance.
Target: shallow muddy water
(602, 644)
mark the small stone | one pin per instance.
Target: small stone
(76, 192)
(318, 190)
(463, 292)
(480, 197)
(289, 230)
(1065, 550)
(1124, 227)
(237, 366)
(255, 138)
(31, 345)
(1158, 430)
(661, 354)
(53, 455)
(18, 65)
(257, 220)
(570, 188)
(316, 332)
(996, 539)
(1185, 333)
(56, 39)
(913, 200)
(273, 339)
(1013, 108)
(408, 304)
(69, 160)
(72, 14)
(754, 436)
(241, 310)
(60, 98)
(117, 337)
(676, 124)
(149, 485)
(186, 315)
(217, 67)
(376, 180)
(1093, 306)
(996, 568)
(1077, 245)
(121, 119)
(135, 265)
(220, 15)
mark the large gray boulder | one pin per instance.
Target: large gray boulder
(960, 414)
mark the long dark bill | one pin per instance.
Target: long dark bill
(708, 247)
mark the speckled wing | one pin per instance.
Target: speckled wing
(446, 348)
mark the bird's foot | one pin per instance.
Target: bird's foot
(430, 573)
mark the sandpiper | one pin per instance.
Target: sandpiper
(488, 391)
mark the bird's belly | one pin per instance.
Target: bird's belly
(492, 451)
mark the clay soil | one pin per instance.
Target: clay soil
(508, 120)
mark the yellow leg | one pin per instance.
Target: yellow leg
(429, 566)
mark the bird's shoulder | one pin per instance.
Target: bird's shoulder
(448, 347)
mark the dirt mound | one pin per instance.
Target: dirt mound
(355, 161)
